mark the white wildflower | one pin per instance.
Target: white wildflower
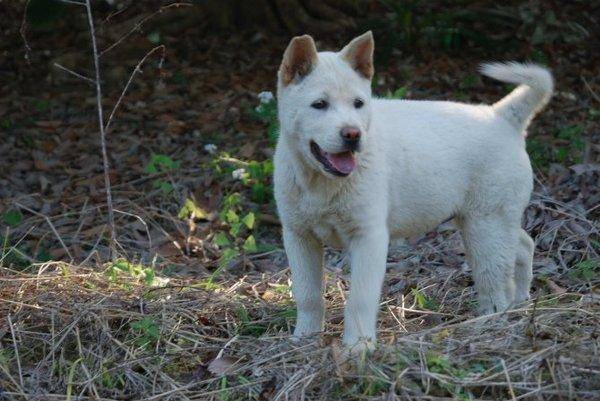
(238, 174)
(265, 97)
(210, 148)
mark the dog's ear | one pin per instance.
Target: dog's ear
(359, 53)
(298, 59)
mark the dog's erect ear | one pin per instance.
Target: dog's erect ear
(298, 59)
(359, 53)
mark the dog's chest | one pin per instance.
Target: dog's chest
(333, 227)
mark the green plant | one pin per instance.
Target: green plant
(266, 111)
(586, 270)
(6, 123)
(425, 302)
(399, 93)
(572, 150)
(146, 332)
(258, 180)
(568, 148)
(190, 210)
(134, 270)
(12, 218)
(162, 164)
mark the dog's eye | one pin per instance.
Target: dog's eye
(319, 105)
(358, 103)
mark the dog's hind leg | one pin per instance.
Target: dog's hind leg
(491, 242)
(305, 256)
(523, 267)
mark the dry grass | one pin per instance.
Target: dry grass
(70, 332)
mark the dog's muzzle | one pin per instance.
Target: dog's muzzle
(339, 164)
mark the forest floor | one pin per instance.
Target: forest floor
(198, 305)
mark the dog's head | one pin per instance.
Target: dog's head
(324, 102)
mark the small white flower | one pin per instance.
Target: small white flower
(210, 148)
(238, 174)
(265, 97)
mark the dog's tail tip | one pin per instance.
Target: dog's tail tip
(536, 85)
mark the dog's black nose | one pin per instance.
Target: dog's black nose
(351, 137)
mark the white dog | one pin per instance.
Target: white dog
(351, 171)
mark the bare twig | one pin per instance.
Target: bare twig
(16, 348)
(56, 234)
(587, 85)
(139, 24)
(23, 32)
(136, 70)
(105, 162)
(78, 75)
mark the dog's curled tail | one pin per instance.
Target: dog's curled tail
(533, 93)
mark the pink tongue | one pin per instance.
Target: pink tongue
(343, 162)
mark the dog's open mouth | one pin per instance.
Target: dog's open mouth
(340, 164)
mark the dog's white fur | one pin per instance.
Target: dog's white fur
(421, 163)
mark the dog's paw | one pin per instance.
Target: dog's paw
(359, 346)
(521, 300)
(304, 329)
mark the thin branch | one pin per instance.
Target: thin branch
(78, 75)
(77, 3)
(136, 70)
(16, 348)
(23, 32)
(587, 85)
(56, 234)
(106, 166)
(139, 24)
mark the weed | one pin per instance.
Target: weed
(190, 210)
(568, 150)
(162, 164)
(137, 271)
(266, 111)
(585, 270)
(399, 93)
(6, 124)
(12, 218)
(146, 333)
(425, 302)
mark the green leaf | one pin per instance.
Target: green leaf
(227, 256)
(399, 93)
(255, 170)
(248, 220)
(151, 168)
(221, 239)
(259, 192)
(425, 302)
(164, 186)
(149, 276)
(123, 265)
(190, 209)
(250, 244)
(232, 216)
(12, 218)
(235, 229)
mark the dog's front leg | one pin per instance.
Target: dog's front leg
(305, 255)
(368, 254)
